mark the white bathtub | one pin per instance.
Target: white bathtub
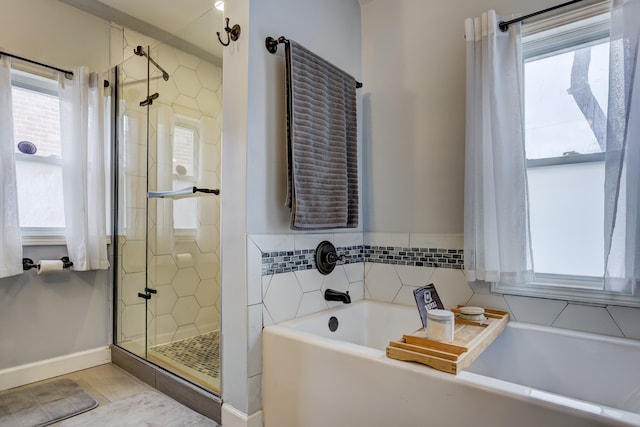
(530, 376)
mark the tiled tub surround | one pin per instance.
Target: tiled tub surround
(292, 287)
(273, 298)
(390, 275)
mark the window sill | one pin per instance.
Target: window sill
(48, 240)
(567, 293)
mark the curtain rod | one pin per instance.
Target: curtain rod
(504, 26)
(68, 74)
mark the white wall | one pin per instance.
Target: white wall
(54, 33)
(253, 157)
(47, 317)
(413, 62)
(233, 196)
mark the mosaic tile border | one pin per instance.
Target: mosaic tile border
(418, 257)
(304, 259)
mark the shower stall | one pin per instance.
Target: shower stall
(167, 218)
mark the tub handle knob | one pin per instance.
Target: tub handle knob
(327, 257)
(332, 257)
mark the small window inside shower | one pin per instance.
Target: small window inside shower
(186, 135)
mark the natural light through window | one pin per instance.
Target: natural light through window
(36, 118)
(555, 125)
(184, 174)
(566, 92)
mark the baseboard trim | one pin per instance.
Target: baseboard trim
(232, 417)
(44, 369)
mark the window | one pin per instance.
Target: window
(36, 120)
(566, 82)
(38, 156)
(185, 172)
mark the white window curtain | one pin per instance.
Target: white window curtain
(622, 161)
(10, 242)
(82, 139)
(497, 244)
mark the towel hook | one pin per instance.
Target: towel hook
(233, 33)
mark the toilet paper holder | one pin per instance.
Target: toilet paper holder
(28, 264)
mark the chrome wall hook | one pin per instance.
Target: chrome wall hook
(233, 33)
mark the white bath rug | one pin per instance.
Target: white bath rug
(149, 409)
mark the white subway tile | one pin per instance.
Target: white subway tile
(628, 319)
(254, 339)
(414, 276)
(283, 297)
(387, 239)
(312, 302)
(452, 287)
(588, 319)
(354, 272)
(540, 311)
(356, 291)
(336, 280)
(347, 239)
(255, 393)
(493, 301)
(309, 280)
(382, 283)
(273, 242)
(405, 296)
(310, 241)
(254, 273)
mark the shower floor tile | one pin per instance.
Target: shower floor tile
(197, 358)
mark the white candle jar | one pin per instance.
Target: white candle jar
(440, 325)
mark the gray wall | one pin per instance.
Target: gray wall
(331, 29)
(45, 317)
(413, 62)
(42, 317)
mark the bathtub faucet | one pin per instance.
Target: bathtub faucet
(331, 295)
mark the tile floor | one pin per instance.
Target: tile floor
(107, 384)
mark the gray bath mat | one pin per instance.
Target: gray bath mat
(44, 404)
(149, 409)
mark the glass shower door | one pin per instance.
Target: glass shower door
(131, 190)
(169, 304)
(183, 232)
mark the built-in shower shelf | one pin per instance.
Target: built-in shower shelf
(185, 192)
(469, 341)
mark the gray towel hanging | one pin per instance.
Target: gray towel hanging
(322, 148)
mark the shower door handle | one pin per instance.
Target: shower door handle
(147, 293)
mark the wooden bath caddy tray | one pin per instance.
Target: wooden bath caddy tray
(469, 341)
